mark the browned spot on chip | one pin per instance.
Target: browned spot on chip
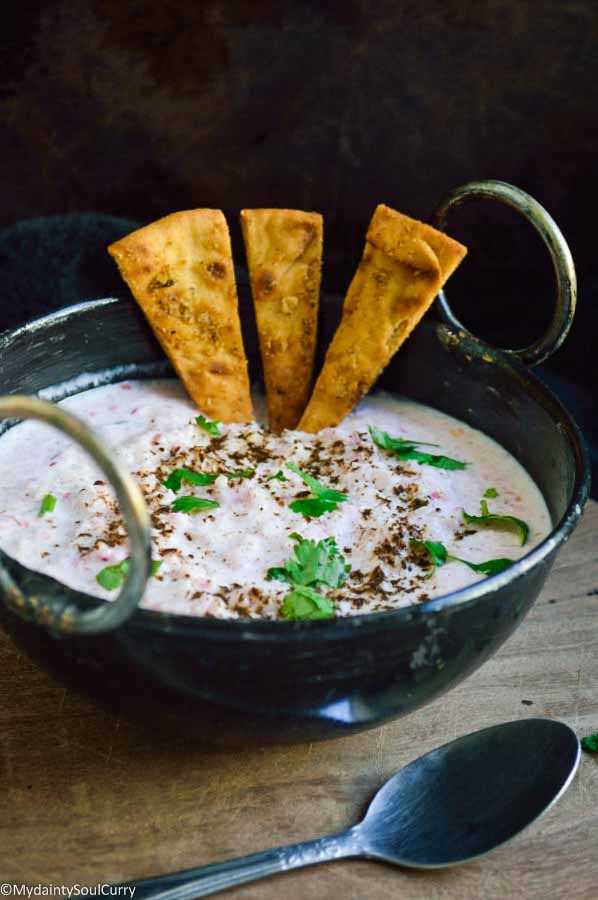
(162, 280)
(218, 369)
(265, 283)
(216, 270)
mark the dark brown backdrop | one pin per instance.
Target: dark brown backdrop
(139, 109)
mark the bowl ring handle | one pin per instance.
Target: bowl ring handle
(552, 236)
(54, 611)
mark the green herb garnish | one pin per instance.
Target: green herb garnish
(436, 551)
(490, 567)
(176, 478)
(407, 449)
(280, 476)
(111, 577)
(193, 504)
(488, 518)
(313, 562)
(320, 501)
(208, 425)
(439, 555)
(590, 743)
(490, 493)
(305, 603)
(47, 505)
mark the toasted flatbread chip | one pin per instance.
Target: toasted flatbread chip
(404, 265)
(180, 272)
(284, 253)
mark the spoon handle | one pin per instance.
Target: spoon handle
(210, 879)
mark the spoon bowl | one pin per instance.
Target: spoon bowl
(471, 795)
(450, 806)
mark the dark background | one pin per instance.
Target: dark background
(133, 110)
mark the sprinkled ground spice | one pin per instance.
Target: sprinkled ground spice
(214, 562)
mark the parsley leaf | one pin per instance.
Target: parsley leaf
(395, 445)
(318, 489)
(47, 505)
(490, 567)
(313, 562)
(434, 549)
(313, 507)
(406, 449)
(321, 499)
(177, 476)
(111, 577)
(277, 573)
(305, 603)
(439, 555)
(193, 504)
(590, 743)
(280, 476)
(491, 493)
(208, 425)
(488, 518)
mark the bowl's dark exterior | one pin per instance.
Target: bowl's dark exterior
(256, 682)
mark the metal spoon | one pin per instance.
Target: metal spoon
(449, 806)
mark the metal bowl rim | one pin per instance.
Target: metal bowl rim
(264, 629)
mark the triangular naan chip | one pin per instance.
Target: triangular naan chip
(284, 253)
(404, 265)
(180, 271)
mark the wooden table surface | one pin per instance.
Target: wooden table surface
(87, 798)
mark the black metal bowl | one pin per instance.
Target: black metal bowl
(248, 681)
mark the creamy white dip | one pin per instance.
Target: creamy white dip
(215, 562)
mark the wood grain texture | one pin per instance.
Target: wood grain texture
(90, 798)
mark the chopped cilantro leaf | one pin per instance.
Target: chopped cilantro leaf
(490, 519)
(435, 550)
(490, 567)
(193, 504)
(406, 449)
(313, 507)
(277, 573)
(305, 603)
(490, 493)
(47, 505)
(111, 577)
(176, 477)
(439, 555)
(320, 490)
(313, 562)
(440, 462)
(590, 743)
(208, 425)
(395, 445)
(279, 476)
(321, 499)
